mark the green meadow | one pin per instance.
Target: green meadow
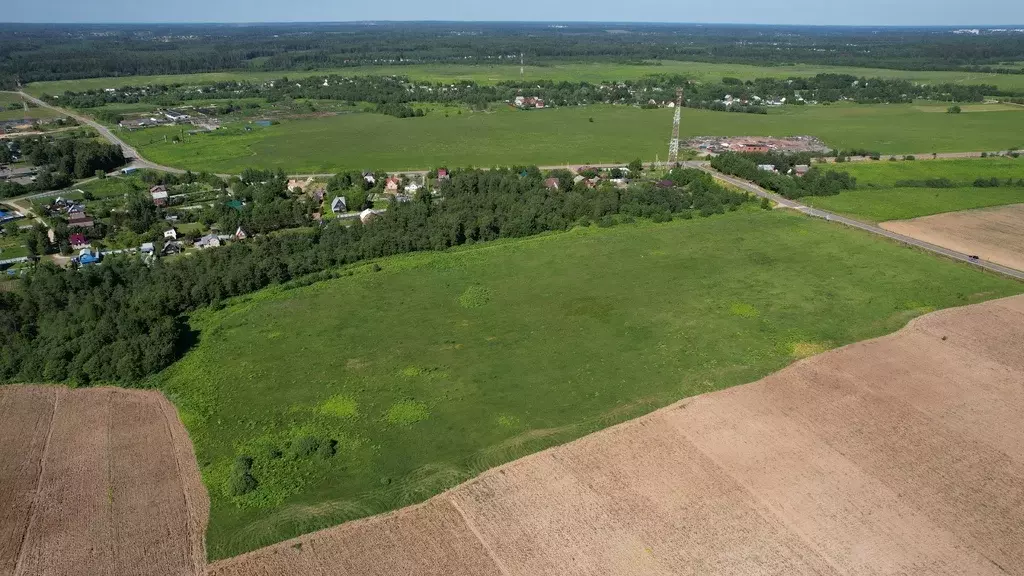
(403, 377)
(589, 134)
(589, 72)
(961, 171)
(878, 197)
(12, 108)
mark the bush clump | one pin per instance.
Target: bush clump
(242, 481)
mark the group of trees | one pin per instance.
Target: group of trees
(124, 320)
(60, 160)
(31, 53)
(815, 182)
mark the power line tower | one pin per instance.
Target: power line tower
(673, 144)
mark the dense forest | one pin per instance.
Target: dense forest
(123, 320)
(31, 53)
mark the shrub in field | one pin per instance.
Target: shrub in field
(241, 480)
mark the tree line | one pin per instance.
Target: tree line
(124, 320)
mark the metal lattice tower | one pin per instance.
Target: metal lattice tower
(673, 144)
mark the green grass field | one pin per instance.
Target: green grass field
(961, 171)
(442, 365)
(881, 204)
(12, 247)
(877, 197)
(558, 136)
(112, 187)
(12, 108)
(593, 72)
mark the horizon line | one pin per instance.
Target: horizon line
(1008, 27)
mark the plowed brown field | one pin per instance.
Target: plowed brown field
(994, 234)
(97, 481)
(900, 455)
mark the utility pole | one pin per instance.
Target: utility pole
(673, 144)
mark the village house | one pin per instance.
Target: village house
(442, 174)
(80, 220)
(368, 215)
(294, 183)
(369, 178)
(146, 248)
(171, 248)
(551, 183)
(78, 241)
(412, 188)
(240, 234)
(339, 205)
(208, 241)
(801, 169)
(171, 234)
(766, 167)
(391, 184)
(159, 195)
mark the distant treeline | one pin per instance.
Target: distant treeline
(124, 320)
(815, 182)
(30, 53)
(394, 94)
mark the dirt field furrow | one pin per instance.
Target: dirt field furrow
(857, 522)
(24, 424)
(960, 484)
(69, 530)
(110, 495)
(900, 455)
(427, 540)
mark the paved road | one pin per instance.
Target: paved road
(833, 217)
(137, 160)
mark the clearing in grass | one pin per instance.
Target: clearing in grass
(314, 405)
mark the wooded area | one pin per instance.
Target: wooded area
(30, 53)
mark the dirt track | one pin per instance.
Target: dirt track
(901, 455)
(995, 234)
(97, 481)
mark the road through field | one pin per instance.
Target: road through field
(833, 217)
(128, 151)
(899, 455)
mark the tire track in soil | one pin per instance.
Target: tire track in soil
(39, 484)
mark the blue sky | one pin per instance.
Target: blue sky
(849, 12)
